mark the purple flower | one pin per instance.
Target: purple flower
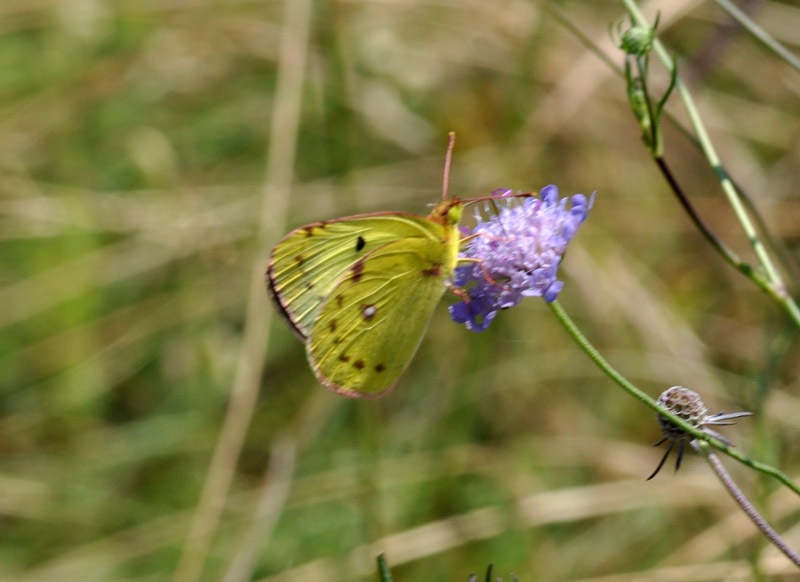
(514, 254)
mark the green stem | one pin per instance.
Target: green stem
(776, 282)
(558, 13)
(383, 569)
(612, 373)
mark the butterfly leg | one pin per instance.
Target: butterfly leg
(480, 262)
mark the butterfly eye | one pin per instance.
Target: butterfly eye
(454, 214)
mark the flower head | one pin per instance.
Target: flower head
(687, 405)
(638, 40)
(514, 254)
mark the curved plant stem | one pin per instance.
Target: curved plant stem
(778, 288)
(788, 265)
(612, 373)
(726, 253)
(744, 503)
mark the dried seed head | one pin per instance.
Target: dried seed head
(687, 405)
(684, 403)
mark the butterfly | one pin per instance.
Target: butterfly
(360, 290)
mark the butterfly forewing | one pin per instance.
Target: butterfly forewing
(309, 262)
(369, 327)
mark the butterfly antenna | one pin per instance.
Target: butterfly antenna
(451, 142)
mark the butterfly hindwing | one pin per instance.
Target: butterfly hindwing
(369, 326)
(309, 262)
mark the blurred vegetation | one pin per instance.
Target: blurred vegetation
(139, 192)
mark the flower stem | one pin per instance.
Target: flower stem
(612, 373)
(730, 257)
(743, 502)
(383, 569)
(775, 287)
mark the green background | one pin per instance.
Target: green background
(149, 159)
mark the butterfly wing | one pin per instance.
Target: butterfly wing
(310, 261)
(369, 326)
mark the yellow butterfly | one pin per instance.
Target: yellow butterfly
(360, 290)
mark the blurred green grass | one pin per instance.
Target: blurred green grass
(134, 138)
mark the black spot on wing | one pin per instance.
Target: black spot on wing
(358, 271)
(309, 229)
(360, 244)
(380, 368)
(435, 270)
